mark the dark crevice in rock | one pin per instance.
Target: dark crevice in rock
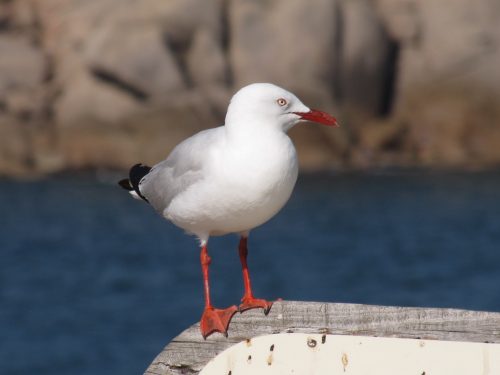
(389, 76)
(226, 41)
(4, 23)
(396, 142)
(5, 15)
(337, 54)
(118, 83)
(179, 48)
(50, 68)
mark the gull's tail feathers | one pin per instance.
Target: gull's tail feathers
(136, 174)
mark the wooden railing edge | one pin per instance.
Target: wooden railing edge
(188, 353)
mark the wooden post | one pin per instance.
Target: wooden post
(188, 353)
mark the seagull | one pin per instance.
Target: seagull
(229, 179)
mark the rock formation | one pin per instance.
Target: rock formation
(106, 83)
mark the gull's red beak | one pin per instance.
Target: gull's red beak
(320, 117)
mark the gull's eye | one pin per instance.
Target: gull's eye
(281, 102)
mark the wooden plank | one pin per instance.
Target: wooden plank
(188, 353)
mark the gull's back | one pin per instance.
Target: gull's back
(182, 169)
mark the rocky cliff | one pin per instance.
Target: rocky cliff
(107, 83)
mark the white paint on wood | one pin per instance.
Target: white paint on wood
(301, 353)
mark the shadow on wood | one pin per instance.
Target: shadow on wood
(188, 353)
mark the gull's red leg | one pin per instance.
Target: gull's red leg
(249, 301)
(212, 320)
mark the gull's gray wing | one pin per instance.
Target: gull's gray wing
(182, 168)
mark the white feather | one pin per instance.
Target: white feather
(135, 195)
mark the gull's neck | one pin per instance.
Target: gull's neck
(252, 126)
(253, 131)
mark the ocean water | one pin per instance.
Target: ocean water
(93, 282)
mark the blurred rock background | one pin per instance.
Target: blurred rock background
(107, 83)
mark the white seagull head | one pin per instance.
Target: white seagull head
(271, 106)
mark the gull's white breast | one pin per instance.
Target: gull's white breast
(244, 183)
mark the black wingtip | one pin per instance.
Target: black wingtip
(125, 183)
(136, 174)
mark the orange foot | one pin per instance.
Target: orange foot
(248, 303)
(216, 320)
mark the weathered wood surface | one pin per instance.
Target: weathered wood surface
(188, 353)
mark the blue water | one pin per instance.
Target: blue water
(93, 282)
